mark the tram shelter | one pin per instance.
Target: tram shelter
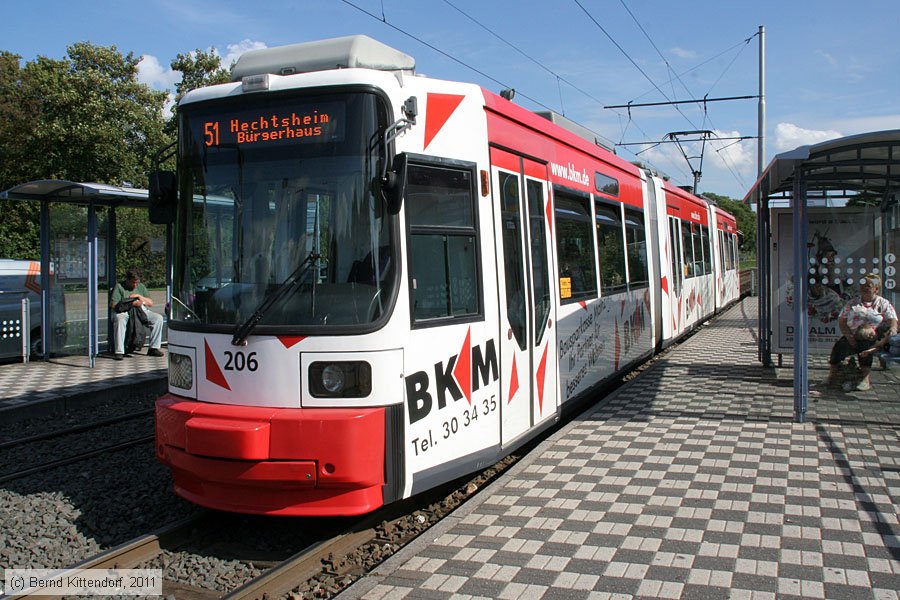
(79, 239)
(828, 214)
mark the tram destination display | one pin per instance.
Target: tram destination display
(266, 125)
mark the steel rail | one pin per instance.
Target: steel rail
(75, 429)
(74, 459)
(131, 553)
(307, 563)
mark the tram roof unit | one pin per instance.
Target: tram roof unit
(577, 129)
(352, 51)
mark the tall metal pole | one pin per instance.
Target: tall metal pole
(761, 126)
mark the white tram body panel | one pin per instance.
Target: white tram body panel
(334, 348)
(725, 248)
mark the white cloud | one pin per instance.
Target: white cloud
(151, 72)
(739, 155)
(683, 53)
(828, 58)
(789, 136)
(235, 51)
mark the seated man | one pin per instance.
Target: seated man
(132, 287)
(867, 322)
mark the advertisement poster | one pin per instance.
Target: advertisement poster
(841, 249)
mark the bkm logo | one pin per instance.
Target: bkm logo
(459, 376)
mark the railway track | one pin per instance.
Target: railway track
(47, 466)
(139, 550)
(335, 554)
(50, 435)
(19, 447)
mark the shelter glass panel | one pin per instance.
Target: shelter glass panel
(69, 265)
(846, 246)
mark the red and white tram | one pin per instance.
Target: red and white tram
(384, 281)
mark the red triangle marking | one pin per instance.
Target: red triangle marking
(213, 372)
(541, 372)
(463, 369)
(664, 284)
(583, 304)
(514, 381)
(291, 340)
(439, 107)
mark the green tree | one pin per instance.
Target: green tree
(82, 118)
(746, 221)
(198, 69)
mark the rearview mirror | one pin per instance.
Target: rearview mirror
(393, 186)
(163, 197)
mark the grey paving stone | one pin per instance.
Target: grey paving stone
(694, 481)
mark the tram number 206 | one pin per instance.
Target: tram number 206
(238, 361)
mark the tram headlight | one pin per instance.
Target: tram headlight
(345, 379)
(181, 371)
(333, 378)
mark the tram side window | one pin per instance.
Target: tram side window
(513, 261)
(443, 243)
(575, 246)
(677, 272)
(722, 258)
(699, 268)
(706, 250)
(606, 184)
(687, 249)
(611, 248)
(731, 251)
(636, 238)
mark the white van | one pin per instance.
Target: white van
(22, 279)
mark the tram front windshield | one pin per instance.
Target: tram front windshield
(280, 222)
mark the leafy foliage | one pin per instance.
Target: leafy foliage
(746, 220)
(82, 118)
(198, 69)
(87, 118)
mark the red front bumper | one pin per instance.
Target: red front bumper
(276, 461)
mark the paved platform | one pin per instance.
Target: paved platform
(691, 481)
(54, 385)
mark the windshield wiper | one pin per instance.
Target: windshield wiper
(186, 307)
(243, 331)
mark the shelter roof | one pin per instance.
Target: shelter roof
(866, 164)
(60, 190)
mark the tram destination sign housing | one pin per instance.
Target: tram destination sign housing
(297, 124)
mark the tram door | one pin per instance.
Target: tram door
(678, 273)
(529, 392)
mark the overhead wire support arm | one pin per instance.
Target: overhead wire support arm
(743, 137)
(631, 105)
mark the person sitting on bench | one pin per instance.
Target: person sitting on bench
(132, 289)
(867, 323)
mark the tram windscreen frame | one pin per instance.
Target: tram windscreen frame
(279, 191)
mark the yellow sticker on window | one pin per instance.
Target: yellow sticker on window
(565, 287)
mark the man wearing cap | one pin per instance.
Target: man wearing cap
(867, 323)
(132, 288)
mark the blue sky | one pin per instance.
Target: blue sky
(832, 69)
